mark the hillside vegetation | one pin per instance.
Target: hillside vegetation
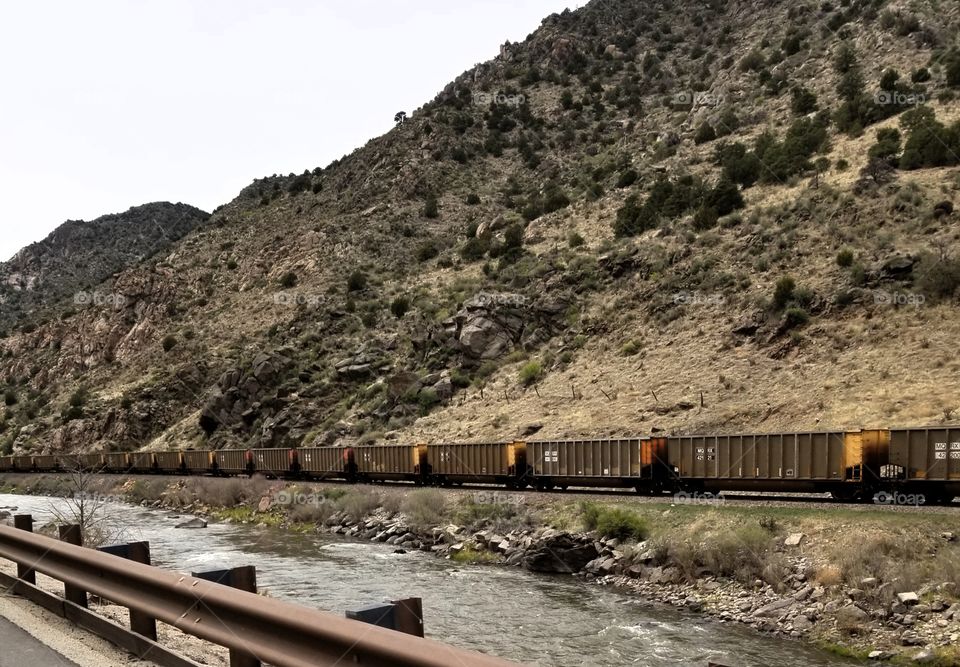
(647, 216)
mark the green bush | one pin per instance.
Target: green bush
(704, 134)
(783, 292)
(431, 208)
(845, 258)
(705, 218)
(473, 199)
(474, 250)
(427, 251)
(613, 522)
(530, 373)
(794, 317)
(400, 306)
(288, 280)
(627, 178)
(426, 399)
(357, 281)
(10, 398)
(802, 101)
(169, 342)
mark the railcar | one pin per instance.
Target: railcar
(503, 463)
(639, 463)
(6, 463)
(169, 462)
(233, 462)
(327, 463)
(381, 463)
(198, 462)
(277, 463)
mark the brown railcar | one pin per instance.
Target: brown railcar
(198, 461)
(326, 462)
(614, 462)
(46, 463)
(233, 461)
(169, 461)
(485, 463)
(391, 462)
(274, 462)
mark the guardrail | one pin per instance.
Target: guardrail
(274, 632)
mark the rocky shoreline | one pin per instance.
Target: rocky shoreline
(908, 631)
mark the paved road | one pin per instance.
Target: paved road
(22, 650)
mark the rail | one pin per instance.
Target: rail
(278, 633)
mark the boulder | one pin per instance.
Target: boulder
(851, 617)
(192, 524)
(793, 540)
(908, 599)
(560, 553)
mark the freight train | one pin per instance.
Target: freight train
(918, 463)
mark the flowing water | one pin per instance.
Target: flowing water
(533, 619)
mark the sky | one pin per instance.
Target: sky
(107, 104)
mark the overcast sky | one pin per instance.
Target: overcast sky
(106, 105)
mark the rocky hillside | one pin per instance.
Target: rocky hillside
(78, 256)
(646, 216)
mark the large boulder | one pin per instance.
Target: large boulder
(560, 553)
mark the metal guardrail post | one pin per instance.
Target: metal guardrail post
(24, 571)
(408, 616)
(404, 616)
(138, 552)
(244, 579)
(73, 534)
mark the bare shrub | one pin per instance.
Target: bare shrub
(425, 508)
(359, 503)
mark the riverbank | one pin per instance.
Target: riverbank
(859, 580)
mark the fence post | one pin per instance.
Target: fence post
(72, 534)
(244, 579)
(138, 552)
(24, 571)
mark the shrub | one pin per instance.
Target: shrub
(10, 398)
(845, 258)
(627, 178)
(802, 101)
(939, 279)
(574, 240)
(359, 503)
(921, 75)
(288, 280)
(888, 145)
(614, 522)
(783, 292)
(425, 508)
(530, 373)
(725, 198)
(704, 134)
(795, 317)
(431, 208)
(427, 251)
(400, 306)
(631, 348)
(473, 199)
(952, 69)
(426, 399)
(705, 218)
(474, 249)
(357, 281)
(169, 342)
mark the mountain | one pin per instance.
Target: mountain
(646, 217)
(79, 255)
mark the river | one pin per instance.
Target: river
(533, 619)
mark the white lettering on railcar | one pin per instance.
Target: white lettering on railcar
(940, 455)
(940, 446)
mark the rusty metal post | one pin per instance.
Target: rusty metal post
(72, 534)
(408, 616)
(25, 572)
(244, 579)
(138, 552)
